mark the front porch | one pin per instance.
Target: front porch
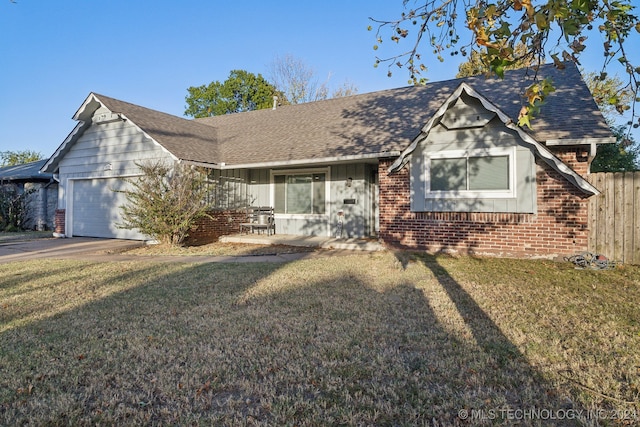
(306, 241)
(306, 200)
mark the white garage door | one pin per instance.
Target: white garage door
(96, 209)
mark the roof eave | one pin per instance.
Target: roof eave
(52, 164)
(579, 141)
(297, 162)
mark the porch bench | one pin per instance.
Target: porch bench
(259, 218)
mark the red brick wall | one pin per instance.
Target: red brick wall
(576, 158)
(221, 223)
(558, 228)
(59, 222)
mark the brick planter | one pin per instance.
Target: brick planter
(220, 223)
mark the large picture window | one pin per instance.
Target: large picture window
(300, 193)
(478, 173)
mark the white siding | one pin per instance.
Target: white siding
(102, 155)
(120, 144)
(492, 135)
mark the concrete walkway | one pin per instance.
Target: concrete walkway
(112, 250)
(306, 241)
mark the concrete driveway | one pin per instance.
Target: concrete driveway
(75, 248)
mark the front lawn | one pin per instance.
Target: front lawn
(377, 339)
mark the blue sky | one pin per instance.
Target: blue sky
(54, 53)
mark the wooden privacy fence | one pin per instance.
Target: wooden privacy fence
(614, 216)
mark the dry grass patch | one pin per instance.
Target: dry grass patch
(218, 249)
(355, 340)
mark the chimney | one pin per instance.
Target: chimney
(275, 102)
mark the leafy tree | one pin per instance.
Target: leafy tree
(547, 28)
(604, 87)
(476, 65)
(299, 84)
(165, 201)
(620, 156)
(13, 158)
(624, 154)
(14, 211)
(242, 91)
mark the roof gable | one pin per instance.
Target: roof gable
(185, 139)
(182, 138)
(540, 150)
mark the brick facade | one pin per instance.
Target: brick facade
(220, 223)
(558, 228)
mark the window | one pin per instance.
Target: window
(226, 192)
(300, 193)
(477, 173)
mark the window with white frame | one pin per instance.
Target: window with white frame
(484, 173)
(301, 193)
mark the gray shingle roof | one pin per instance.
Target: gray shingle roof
(388, 120)
(362, 125)
(25, 172)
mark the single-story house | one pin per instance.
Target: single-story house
(437, 167)
(41, 189)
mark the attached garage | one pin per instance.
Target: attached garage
(95, 210)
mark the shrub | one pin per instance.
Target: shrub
(14, 212)
(165, 201)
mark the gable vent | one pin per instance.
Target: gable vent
(103, 118)
(465, 121)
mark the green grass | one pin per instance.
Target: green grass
(377, 339)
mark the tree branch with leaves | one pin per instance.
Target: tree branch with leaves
(548, 29)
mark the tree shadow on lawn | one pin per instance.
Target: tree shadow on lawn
(316, 342)
(71, 282)
(521, 385)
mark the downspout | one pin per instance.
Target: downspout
(593, 150)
